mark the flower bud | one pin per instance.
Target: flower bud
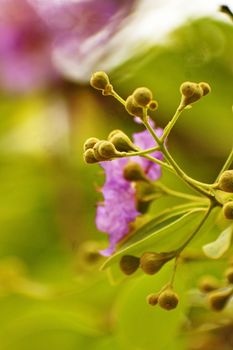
(122, 142)
(218, 299)
(208, 284)
(142, 96)
(107, 150)
(228, 210)
(134, 172)
(226, 181)
(129, 264)
(153, 262)
(205, 88)
(191, 92)
(153, 105)
(132, 108)
(229, 274)
(99, 80)
(90, 143)
(96, 151)
(114, 132)
(89, 156)
(152, 299)
(168, 299)
(108, 90)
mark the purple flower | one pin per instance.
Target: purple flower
(25, 62)
(82, 31)
(118, 210)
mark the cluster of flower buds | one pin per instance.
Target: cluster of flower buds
(149, 262)
(167, 299)
(218, 295)
(115, 146)
(192, 92)
(225, 184)
(140, 99)
(100, 81)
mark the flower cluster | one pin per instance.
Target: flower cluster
(132, 168)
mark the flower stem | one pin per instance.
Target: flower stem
(118, 97)
(201, 223)
(172, 122)
(227, 164)
(178, 194)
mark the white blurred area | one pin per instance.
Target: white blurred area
(150, 23)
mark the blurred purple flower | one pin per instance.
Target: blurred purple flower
(119, 207)
(25, 62)
(82, 30)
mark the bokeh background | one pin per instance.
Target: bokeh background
(52, 294)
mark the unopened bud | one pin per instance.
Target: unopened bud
(142, 96)
(89, 156)
(114, 132)
(153, 105)
(229, 274)
(96, 151)
(90, 143)
(226, 181)
(218, 299)
(168, 299)
(107, 150)
(129, 264)
(208, 284)
(191, 92)
(153, 262)
(99, 80)
(122, 142)
(108, 90)
(134, 172)
(205, 88)
(152, 299)
(132, 108)
(228, 210)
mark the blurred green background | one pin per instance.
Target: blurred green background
(52, 296)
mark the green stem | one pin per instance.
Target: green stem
(118, 97)
(201, 223)
(178, 194)
(141, 152)
(182, 175)
(227, 164)
(157, 161)
(170, 125)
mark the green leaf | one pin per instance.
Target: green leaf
(159, 234)
(217, 248)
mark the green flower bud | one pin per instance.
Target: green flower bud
(129, 264)
(89, 156)
(114, 132)
(96, 148)
(132, 108)
(208, 284)
(122, 142)
(152, 299)
(191, 92)
(153, 262)
(226, 181)
(229, 274)
(218, 299)
(142, 96)
(90, 143)
(153, 105)
(168, 299)
(205, 88)
(228, 210)
(108, 90)
(99, 80)
(134, 172)
(107, 150)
